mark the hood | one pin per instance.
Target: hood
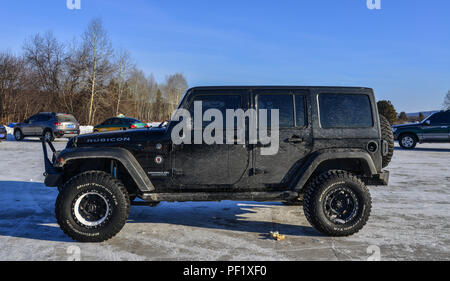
(406, 125)
(117, 138)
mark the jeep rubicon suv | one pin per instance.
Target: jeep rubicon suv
(332, 144)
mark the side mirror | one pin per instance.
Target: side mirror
(427, 122)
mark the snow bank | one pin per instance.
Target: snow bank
(86, 129)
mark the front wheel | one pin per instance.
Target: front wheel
(18, 135)
(337, 203)
(407, 141)
(92, 207)
(48, 135)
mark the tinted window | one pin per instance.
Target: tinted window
(300, 111)
(220, 102)
(116, 121)
(285, 105)
(107, 122)
(131, 121)
(34, 118)
(345, 111)
(440, 118)
(66, 118)
(42, 118)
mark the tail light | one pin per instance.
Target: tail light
(146, 126)
(57, 124)
(133, 126)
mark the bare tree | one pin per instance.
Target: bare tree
(174, 88)
(447, 101)
(95, 57)
(45, 56)
(123, 66)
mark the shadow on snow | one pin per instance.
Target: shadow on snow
(27, 211)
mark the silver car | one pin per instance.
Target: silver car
(48, 125)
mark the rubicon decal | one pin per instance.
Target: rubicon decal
(108, 140)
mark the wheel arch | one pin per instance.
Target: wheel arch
(357, 161)
(414, 134)
(74, 161)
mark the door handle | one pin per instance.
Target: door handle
(295, 139)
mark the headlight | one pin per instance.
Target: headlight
(394, 130)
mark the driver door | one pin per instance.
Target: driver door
(28, 126)
(204, 164)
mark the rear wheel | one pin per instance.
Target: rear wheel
(337, 203)
(92, 207)
(407, 141)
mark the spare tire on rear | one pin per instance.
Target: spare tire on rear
(388, 136)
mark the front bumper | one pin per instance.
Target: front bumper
(52, 175)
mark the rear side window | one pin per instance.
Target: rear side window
(292, 111)
(131, 121)
(66, 118)
(345, 111)
(285, 105)
(43, 118)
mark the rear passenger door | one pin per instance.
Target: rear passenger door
(295, 140)
(41, 123)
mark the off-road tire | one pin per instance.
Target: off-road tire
(333, 181)
(388, 136)
(110, 189)
(18, 135)
(413, 139)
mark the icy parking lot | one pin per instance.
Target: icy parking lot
(410, 220)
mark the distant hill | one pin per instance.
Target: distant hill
(425, 113)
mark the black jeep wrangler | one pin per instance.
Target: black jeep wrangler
(332, 144)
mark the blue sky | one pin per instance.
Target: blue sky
(402, 50)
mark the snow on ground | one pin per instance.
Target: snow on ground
(410, 219)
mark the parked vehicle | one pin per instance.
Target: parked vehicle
(48, 125)
(3, 133)
(332, 145)
(119, 123)
(435, 128)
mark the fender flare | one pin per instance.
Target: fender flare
(116, 153)
(308, 168)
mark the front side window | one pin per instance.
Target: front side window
(116, 121)
(219, 102)
(345, 111)
(441, 118)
